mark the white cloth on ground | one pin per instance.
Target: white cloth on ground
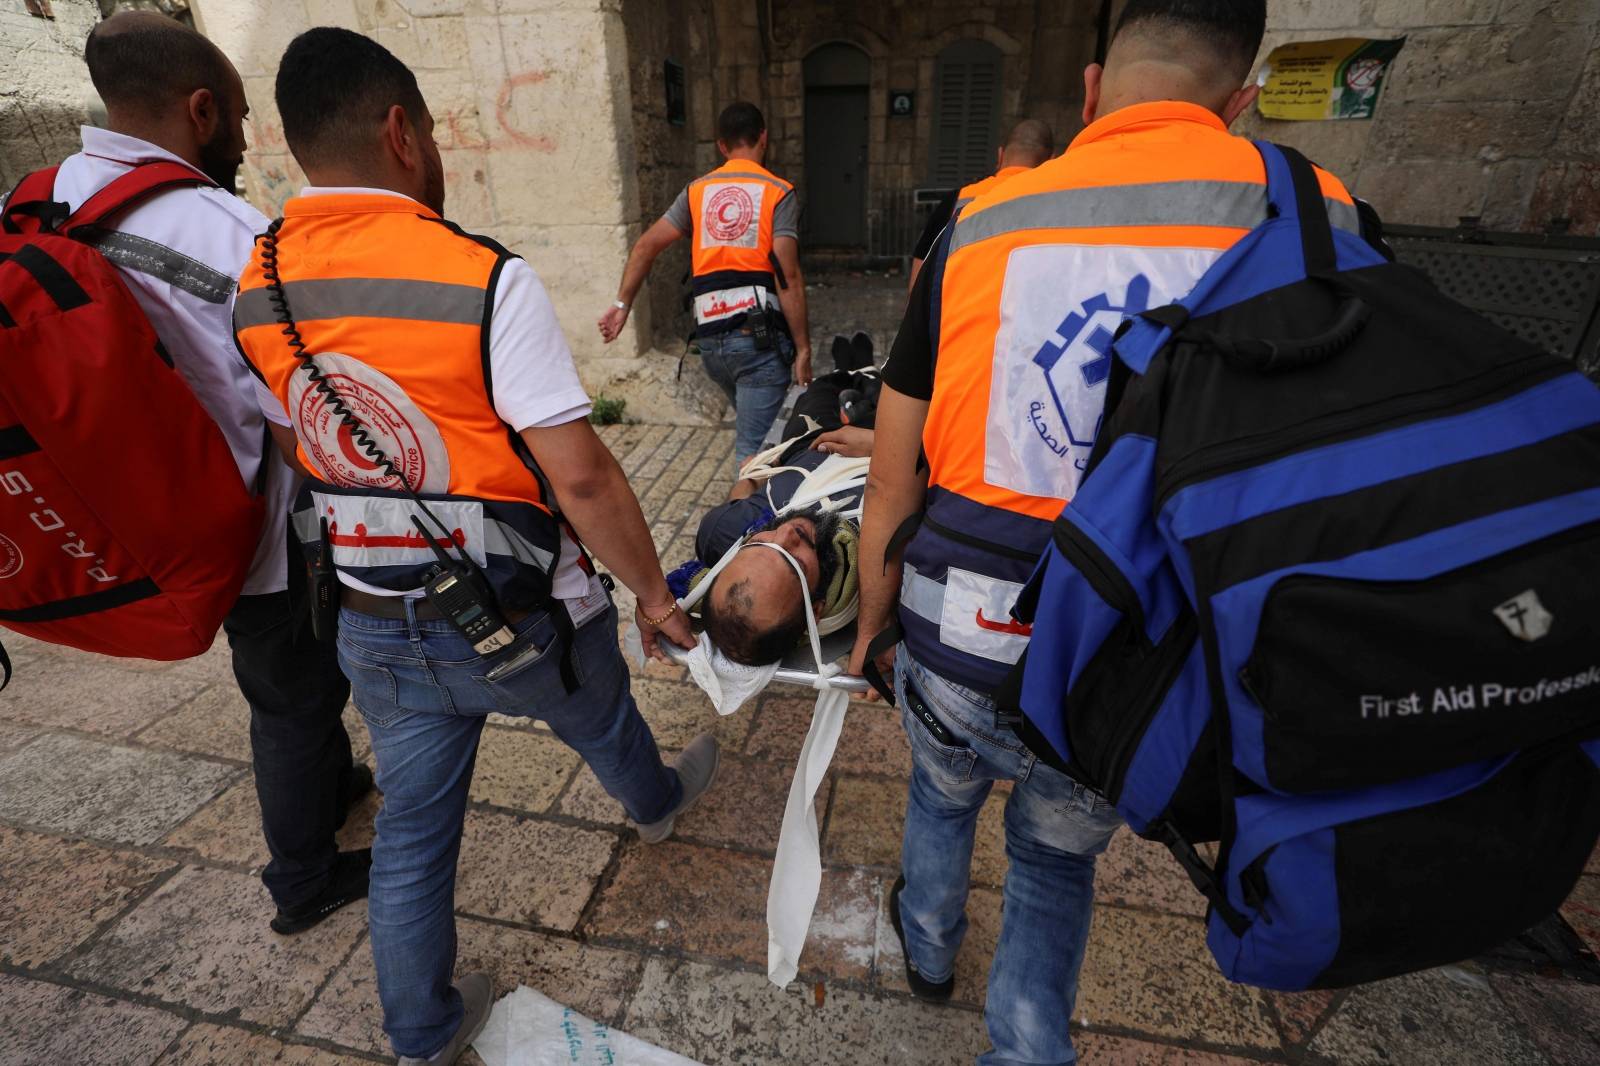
(526, 1028)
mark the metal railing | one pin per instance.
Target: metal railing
(895, 219)
(1544, 288)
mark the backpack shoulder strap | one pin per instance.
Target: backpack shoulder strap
(138, 184)
(1295, 193)
(30, 206)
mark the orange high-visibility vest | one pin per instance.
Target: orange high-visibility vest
(1038, 275)
(984, 186)
(731, 210)
(394, 303)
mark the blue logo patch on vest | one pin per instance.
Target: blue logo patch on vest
(1080, 350)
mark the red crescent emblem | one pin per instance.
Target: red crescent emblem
(351, 450)
(1008, 626)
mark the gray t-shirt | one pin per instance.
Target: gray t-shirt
(785, 217)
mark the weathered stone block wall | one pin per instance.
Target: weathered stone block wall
(45, 93)
(1491, 110)
(755, 51)
(665, 153)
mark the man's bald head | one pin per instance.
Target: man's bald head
(1198, 51)
(1028, 144)
(164, 83)
(146, 64)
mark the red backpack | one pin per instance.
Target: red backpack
(124, 526)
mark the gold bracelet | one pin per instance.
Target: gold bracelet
(656, 622)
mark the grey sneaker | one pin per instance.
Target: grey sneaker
(477, 996)
(697, 769)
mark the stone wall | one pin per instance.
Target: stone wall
(755, 50)
(1491, 110)
(665, 153)
(45, 93)
(1044, 48)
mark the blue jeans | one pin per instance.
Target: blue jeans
(1054, 829)
(422, 690)
(756, 382)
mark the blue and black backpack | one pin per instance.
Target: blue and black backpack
(1329, 594)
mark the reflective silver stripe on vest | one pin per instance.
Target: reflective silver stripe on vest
(922, 596)
(972, 611)
(420, 301)
(1226, 204)
(140, 254)
(724, 177)
(384, 522)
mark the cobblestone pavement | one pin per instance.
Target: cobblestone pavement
(133, 922)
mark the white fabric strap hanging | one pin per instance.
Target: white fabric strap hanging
(797, 867)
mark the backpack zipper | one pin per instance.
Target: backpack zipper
(978, 542)
(1226, 456)
(1166, 658)
(1110, 583)
(1163, 674)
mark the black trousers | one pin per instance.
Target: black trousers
(298, 743)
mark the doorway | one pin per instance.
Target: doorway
(836, 79)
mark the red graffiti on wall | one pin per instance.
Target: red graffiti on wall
(502, 111)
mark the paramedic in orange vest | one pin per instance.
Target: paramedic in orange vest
(454, 451)
(1027, 144)
(749, 296)
(1019, 303)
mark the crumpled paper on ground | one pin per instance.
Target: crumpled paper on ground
(526, 1028)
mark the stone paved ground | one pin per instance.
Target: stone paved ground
(133, 923)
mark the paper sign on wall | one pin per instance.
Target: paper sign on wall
(1310, 80)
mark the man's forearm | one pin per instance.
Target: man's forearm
(640, 260)
(612, 527)
(885, 507)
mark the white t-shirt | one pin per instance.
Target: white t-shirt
(190, 305)
(536, 382)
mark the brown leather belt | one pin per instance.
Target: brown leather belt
(385, 606)
(395, 606)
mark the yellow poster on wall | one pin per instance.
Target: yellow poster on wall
(1312, 80)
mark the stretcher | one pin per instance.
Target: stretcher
(818, 665)
(803, 666)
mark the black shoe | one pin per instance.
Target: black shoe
(353, 789)
(349, 884)
(921, 987)
(861, 348)
(842, 356)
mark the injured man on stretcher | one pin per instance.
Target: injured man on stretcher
(755, 610)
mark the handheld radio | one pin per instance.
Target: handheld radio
(463, 596)
(760, 323)
(324, 591)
